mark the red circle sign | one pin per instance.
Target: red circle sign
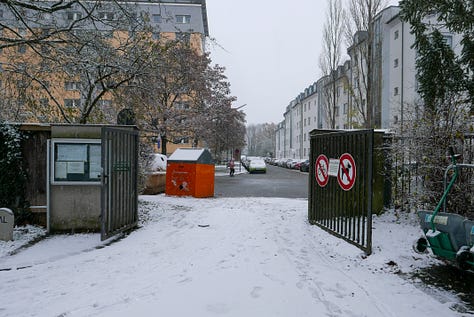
(321, 170)
(347, 173)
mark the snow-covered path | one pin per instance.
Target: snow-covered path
(219, 257)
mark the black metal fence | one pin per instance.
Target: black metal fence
(341, 180)
(408, 170)
(119, 181)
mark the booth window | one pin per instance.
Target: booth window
(77, 160)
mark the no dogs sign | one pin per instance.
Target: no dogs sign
(347, 173)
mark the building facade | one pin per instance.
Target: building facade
(393, 86)
(32, 91)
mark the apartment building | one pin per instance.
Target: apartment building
(309, 115)
(184, 20)
(394, 84)
(397, 96)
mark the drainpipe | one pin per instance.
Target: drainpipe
(402, 78)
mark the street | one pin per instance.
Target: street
(277, 182)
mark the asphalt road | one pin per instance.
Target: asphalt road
(277, 182)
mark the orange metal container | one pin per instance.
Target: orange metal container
(190, 173)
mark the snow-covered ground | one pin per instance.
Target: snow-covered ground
(219, 257)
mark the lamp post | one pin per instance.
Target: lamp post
(236, 152)
(240, 106)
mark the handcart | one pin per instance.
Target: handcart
(449, 236)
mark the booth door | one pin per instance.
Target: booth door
(119, 201)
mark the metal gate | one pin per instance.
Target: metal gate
(340, 192)
(119, 210)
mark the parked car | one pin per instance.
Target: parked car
(304, 167)
(257, 166)
(287, 163)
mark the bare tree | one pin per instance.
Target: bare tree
(180, 95)
(224, 130)
(360, 35)
(87, 52)
(330, 57)
(218, 125)
(260, 139)
(26, 22)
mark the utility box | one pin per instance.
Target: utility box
(190, 172)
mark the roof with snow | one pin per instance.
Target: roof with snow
(191, 155)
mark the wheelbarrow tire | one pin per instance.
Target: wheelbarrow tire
(421, 245)
(463, 258)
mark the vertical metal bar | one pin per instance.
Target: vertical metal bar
(365, 180)
(122, 178)
(129, 209)
(135, 171)
(113, 181)
(48, 182)
(310, 185)
(369, 207)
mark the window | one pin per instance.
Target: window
(395, 91)
(76, 160)
(182, 106)
(107, 34)
(44, 102)
(448, 39)
(22, 48)
(21, 84)
(183, 19)
(156, 35)
(44, 16)
(145, 16)
(156, 18)
(74, 16)
(71, 85)
(345, 108)
(109, 16)
(183, 37)
(309, 120)
(105, 103)
(395, 63)
(71, 103)
(336, 110)
(395, 35)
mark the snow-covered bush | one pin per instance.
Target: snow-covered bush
(12, 176)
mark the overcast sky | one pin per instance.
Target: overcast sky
(270, 49)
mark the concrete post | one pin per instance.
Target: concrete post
(7, 220)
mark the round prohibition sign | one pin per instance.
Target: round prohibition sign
(321, 168)
(346, 176)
